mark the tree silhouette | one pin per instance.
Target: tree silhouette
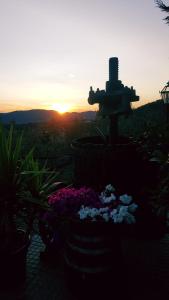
(163, 7)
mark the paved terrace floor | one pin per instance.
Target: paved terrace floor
(147, 277)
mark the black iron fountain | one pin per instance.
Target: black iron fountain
(114, 101)
(116, 160)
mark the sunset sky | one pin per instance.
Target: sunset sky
(52, 51)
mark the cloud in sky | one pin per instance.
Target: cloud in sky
(54, 50)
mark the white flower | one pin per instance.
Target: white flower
(125, 199)
(113, 212)
(103, 209)
(107, 199)
(93, 212)
(117, 218)
(129, 219)
(132, 207)
(123, 210)
(109, 188)
(83, 212)
(106, 217)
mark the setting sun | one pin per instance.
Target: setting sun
(61, 107)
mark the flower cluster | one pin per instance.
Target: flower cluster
(85, 204)
(116, 209)
(67, 201)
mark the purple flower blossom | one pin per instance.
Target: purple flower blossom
(67, 201)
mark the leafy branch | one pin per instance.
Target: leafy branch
(164, 8)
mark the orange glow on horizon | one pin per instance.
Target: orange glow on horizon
(61, 107)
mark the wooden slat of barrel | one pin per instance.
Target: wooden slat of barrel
(93, 260)
(89, 251)
(92, 254)
(87, 270)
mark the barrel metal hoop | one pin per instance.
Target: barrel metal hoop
(90, 239)
(85, 269)
(86, 251)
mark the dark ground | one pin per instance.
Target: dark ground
(145, 274)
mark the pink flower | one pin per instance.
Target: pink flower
(68, 201)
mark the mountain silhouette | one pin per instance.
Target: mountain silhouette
(153, 111)
(42, 115)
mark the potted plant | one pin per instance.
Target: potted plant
(63, 206)
(21, 189)
(94, 224)
(38, 183)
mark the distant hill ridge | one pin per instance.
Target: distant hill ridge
(149, 111)
(143, 118)
(42, 115)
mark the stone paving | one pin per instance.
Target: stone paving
(147, 275)
(44, 281)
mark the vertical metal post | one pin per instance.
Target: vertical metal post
(113, 69)
(113, 129)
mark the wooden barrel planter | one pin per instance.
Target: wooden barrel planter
(97, 164)
(93, 258)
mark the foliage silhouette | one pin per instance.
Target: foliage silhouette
(164, 8)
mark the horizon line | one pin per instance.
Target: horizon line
(71, 111)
